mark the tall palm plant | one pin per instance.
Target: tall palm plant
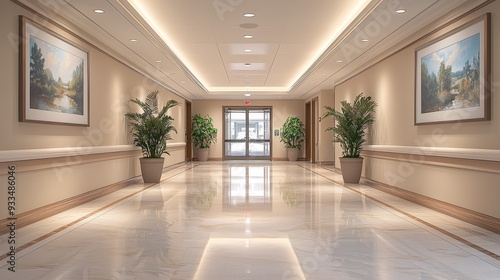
(351, 122)
(152, 128)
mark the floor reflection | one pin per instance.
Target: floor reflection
(151, 242)
(247, 188)
(252, 221)
(201, 196)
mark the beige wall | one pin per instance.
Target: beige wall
(391, 83)
(281, 109)
(112, 84)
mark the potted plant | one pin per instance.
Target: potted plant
(293, 135)
(349, 128)
(150, 130)
(204, 134)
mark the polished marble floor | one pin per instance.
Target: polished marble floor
(252, 220)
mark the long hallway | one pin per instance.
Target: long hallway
(252, 220)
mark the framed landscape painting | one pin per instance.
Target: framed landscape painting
(53, 85)
(453, 76)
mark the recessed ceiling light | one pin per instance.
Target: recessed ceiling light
(248, 36)
(248, 94)
(364, 40)
(247, 50)
(247, 64)
(249, 15)
(183, 82)
(99, 11)
(400, 11)
(340, 61)
(133, 40)
(159, 61)
(324, 74)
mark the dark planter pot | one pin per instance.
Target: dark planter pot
(351, 169)
(151, 169)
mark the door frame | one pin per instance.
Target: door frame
(314, 123)
(189, 140)
(307, 145)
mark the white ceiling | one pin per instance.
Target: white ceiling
(289, 35)
(296, 48)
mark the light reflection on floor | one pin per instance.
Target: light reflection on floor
(247, 258)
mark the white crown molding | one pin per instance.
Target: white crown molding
(32, 154)
(464, 153)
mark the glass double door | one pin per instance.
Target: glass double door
(247, 133)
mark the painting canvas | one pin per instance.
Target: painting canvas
(54, 87)
(452, 77)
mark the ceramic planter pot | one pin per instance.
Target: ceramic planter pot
(351, 169)
(151, 169)
(203, 154)
(292, 153)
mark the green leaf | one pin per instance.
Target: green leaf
(203, 131)
(351, 122)
(293, 133)
(152, 128)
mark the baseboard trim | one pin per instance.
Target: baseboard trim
(208, 159)
(332, 163)
(38, 214)
(286, 159)
(470, 216)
